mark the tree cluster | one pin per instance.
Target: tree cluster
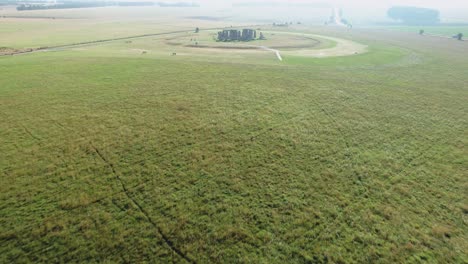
(24, 7)
(414, 15)
(67, 5)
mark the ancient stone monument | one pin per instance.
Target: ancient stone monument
(237, 35)
(262, 37)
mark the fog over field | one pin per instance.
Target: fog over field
(354, 3)
(359, 11)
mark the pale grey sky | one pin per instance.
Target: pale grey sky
(353, 3)
(422, 3)
(359, 11)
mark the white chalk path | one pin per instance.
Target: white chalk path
(343, 47)
(277, 52)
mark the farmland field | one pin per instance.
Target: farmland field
(122, 152)
(447, 31)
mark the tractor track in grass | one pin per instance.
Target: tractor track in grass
(341, 214)
(411, 164)
(126, 191)
(36, 138)
(252, 134)
(27, 131)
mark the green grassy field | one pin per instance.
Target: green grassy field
(448, 31)
(111, 155)
(33, 29)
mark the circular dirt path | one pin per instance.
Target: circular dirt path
(343, 47)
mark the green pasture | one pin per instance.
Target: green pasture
(448, 31)
(109, 154)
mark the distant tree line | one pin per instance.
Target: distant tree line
(178, 4)
(67, 5)
(135, 3)
(414, 15)
(8, 2)
(24, 7)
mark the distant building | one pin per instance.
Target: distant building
(281, 24)
(237, 35)
(337, 19)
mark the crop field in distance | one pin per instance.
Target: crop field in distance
(448, 31)
(127, 137)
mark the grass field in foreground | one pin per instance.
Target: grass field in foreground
(132, 159)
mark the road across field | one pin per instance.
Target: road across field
(95, 42)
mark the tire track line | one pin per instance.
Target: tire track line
(166, 239)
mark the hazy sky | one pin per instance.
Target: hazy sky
(353, 3)
(358, 11)
(422, 3)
